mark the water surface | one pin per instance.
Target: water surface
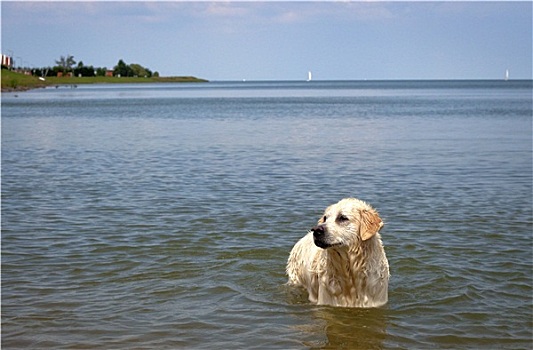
(162, 216)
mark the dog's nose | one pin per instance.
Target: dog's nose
(318, 231)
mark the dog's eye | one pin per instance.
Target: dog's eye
(342, 218)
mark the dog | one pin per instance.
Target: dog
(341, 261)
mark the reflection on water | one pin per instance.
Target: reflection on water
(348, 328)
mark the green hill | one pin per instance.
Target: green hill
(12, 81)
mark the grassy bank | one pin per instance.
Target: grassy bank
(12, 81)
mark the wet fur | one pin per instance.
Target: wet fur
(352, 269)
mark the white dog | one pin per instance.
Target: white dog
(341, 261)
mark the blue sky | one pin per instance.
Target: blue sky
(279, 40)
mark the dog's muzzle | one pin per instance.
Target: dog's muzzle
(319, 236)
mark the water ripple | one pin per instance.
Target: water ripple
(167, 223)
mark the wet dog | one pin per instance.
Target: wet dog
(341, 261)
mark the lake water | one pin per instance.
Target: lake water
(162, 216)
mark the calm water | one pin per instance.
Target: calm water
(162, 216)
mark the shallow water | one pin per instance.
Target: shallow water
(162, 216)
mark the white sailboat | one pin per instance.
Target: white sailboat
(506, 74)
(309, 76)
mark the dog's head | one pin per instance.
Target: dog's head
(346, 223)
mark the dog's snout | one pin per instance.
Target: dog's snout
(318, 231)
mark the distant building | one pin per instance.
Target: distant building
(108, 73)
(7, 61)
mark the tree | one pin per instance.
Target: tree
(141, 71)
(100, 71)
(123, 69)
(66, 63)
(84, 71)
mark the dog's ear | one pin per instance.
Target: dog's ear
(371, 223)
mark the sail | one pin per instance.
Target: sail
(309, 76)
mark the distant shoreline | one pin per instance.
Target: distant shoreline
(17, 82)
